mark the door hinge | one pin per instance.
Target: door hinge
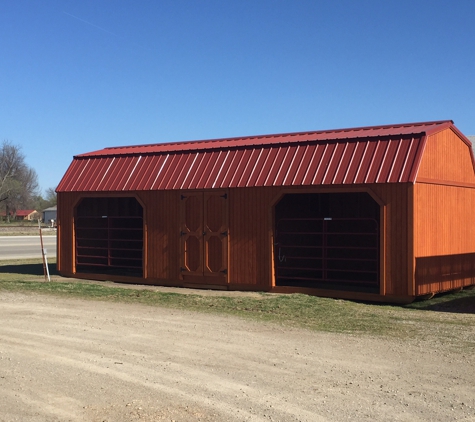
(224, 233)
(182, 197)
(225, 196)
(225, 272)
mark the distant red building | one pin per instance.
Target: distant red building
(22, 215)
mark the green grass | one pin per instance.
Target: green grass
(22, 228)
(448, 317)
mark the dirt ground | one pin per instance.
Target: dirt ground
(75, 360)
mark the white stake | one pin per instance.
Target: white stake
(43, 253)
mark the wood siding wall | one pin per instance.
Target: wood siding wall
(446, 158)
(250, 235)
(397, 238)
(444, 249)
(64, 260)
(162, 220)
(444, 200)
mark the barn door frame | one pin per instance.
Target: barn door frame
(97, 244)
(204, 233)
(382, 230)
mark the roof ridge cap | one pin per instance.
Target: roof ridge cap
(267, 139)
(286, 134)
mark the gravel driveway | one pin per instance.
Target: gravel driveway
(75, 360)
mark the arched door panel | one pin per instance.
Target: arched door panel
(204, 237)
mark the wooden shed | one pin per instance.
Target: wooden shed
(378, 213)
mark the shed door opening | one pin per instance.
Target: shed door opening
(204, 237)
(109, 236)
(327, 241)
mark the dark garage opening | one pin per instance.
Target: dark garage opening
(109, 236)
(327, 241)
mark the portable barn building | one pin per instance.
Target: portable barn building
(376, 213)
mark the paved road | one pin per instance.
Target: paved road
(19, 247)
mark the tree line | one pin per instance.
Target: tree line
(19, 188)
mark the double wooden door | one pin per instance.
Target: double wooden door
(204, 237)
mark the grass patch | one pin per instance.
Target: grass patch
(21, 223)
(419, 320)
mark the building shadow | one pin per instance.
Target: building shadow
(27, 269)
(458, 303)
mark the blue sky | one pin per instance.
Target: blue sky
(77, 76)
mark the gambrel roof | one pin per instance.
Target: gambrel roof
(377, 154)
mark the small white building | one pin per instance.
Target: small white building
(49, 214)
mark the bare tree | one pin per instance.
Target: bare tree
(18, 181)
(39, 203)
(51, 197)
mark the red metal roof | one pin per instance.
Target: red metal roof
(24, 213)
(378, 154)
